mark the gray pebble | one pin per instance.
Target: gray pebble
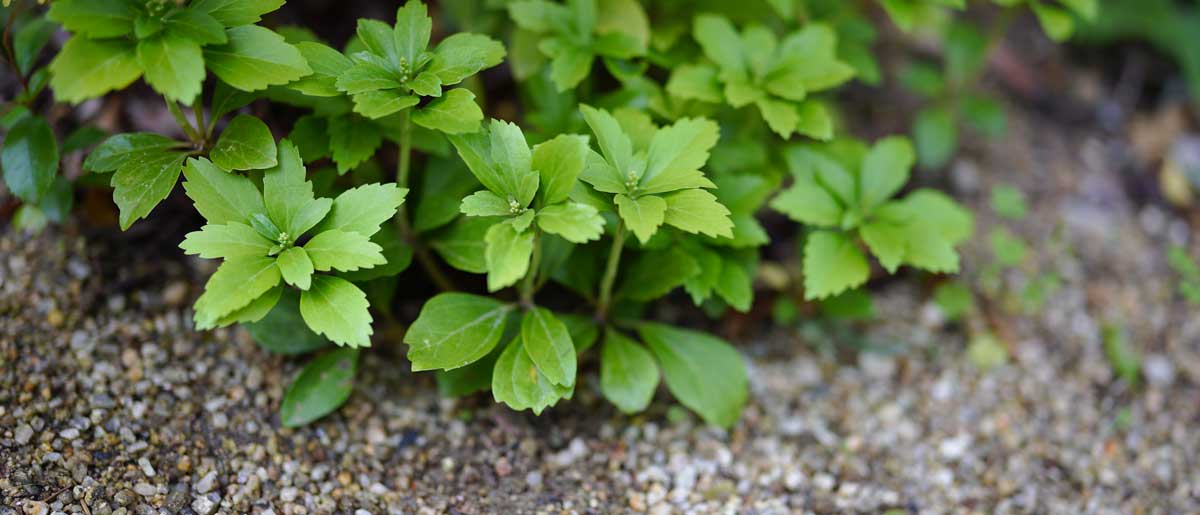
(206, 483)
(23, 434)
(203, 505)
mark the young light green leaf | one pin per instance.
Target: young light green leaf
(464, 54)
(289, 197)
(832, 264)
(245, 144)
(695, 82)
(809, 203)
(384, 102)
(548, 344)
(369, 72)
(343, 250)
(219, 196)
(643, 215)
(678, 150)
(781, 116)
(29, 158)
(87, 68)
(614, 143)
(236, 283)
(195, 25)
(296, 268)
(720, 42)
(454, 113)
(283, 331)
(229, 240)
(575, 222)
(254, 58)
(232, 13)
(337, 309)
(323, 385)
(256, 310)
(485, 203)
(413, 27)
(455, 329)
(697, 211)
(507, 255)
(327, 65)
(173, 66)
(559, 161)
(363, 209)
(884, 171)
(511, 157)
(703, 372)
(628, 373)
(569, 63)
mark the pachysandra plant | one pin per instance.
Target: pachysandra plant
(755, 67)
(573, 34)
(845, 191)
(286, 235)
(653, 192)
(170, 44)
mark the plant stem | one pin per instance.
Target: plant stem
(420, 251)
(183, 122)
(610, 272)
(527, 286)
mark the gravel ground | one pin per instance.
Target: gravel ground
(111, 404)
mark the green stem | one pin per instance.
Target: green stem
(528, 285)
(610, 272)
(183, 122)
(420, 251)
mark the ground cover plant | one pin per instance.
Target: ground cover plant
(648, 143)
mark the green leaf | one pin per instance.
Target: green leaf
(229, 240)
(507, 255)
(485, 203)
(721, 43)
(28, 42)
(548, 344)
(643, 215)
(118, 149)
(809, 61)
(141, 183)
(832, 264)
(614, 143)
(337, 309)
(472, 378)
(343, 250)
(694, 82)
(289, 196)
(1009, 202)
(656, 272)
(538, 15)
(985, 115)
(254, 58)
(736, 284)
(310, 133)
(1057, 22)
(322, 387)
(352, 141)
(454, 330)
(583, 330)
(559, 161)
(87, 68)
(195, 25)
(462, 55)
(377, 104)
(397, 253)
(283, 331)
(887, 242)
(512, 159)
(951, 220)
(569, 64)
(517, 382)
(29, 157)
(236, 283)
(462, 244)
(413, 27)
(94, 18)
(936, 136)
(369, 72)
(781, 116)
(808, 203)
(454, 113)
(884, 171)
(245, 144)
(232, 13)
(226, 99)
(678, 151)
(703, 372)
(1125, 360)
(219, 196)
(296, 267)
(327, 65)
(697, 211)
(628, 373)
(173, 66)
(363, 209)
(425, 84)
(575, 222)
